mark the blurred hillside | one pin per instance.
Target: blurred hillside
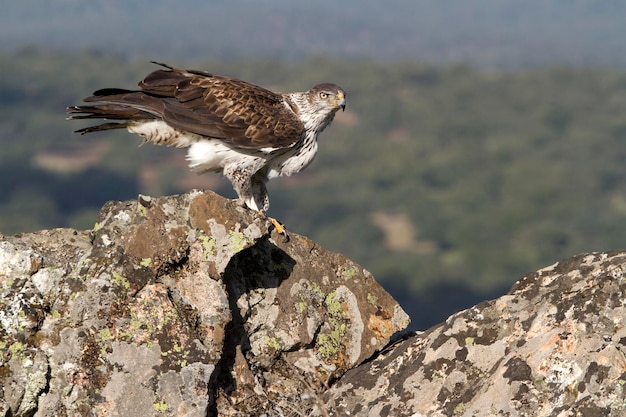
(446, 182)
(485, 33)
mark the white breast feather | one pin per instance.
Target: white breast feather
(295, 159)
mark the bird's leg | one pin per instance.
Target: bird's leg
(261, 198)
(240, 179)
(252, 194)
(258, 192)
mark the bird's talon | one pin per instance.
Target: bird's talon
(280, 228)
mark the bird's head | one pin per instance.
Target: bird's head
(328, 96)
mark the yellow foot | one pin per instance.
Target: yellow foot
(280, 228)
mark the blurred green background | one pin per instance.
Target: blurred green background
(472, 151)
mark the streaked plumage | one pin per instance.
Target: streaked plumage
(247, 132)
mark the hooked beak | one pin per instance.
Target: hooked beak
(341, 101)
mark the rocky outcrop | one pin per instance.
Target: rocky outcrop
(190, 306)
(554, 346)
(181, 306)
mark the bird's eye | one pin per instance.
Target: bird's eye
(323, 95)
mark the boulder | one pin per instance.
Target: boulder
(555, 345)
(185, 305)
(190, 305)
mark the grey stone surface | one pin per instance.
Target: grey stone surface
(180, 306)
(189, 306)
(554, 346)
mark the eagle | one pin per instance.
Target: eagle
(246, 132)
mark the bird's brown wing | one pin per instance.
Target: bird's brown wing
(210, 105)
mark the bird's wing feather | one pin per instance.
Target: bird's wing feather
(222, 107)
(229, 109)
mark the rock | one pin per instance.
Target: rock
(189, 306)
(554, 346)
(180, 306)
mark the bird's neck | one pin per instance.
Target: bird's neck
(314, 121)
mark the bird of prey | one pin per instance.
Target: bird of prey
(246, 132)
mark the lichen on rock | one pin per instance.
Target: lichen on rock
(181, 305)
(188, 306)
(554, 346)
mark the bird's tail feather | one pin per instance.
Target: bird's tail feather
(125, 114)
(125, 106)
